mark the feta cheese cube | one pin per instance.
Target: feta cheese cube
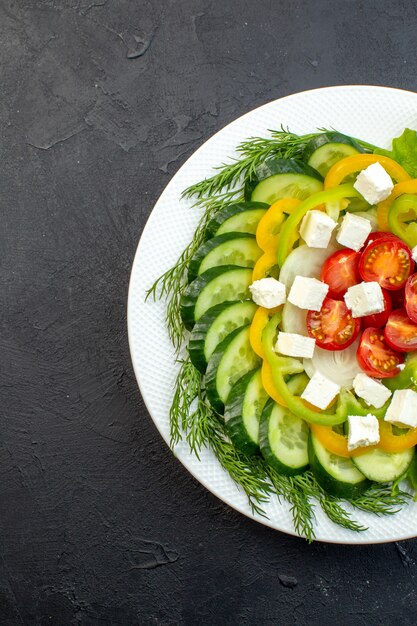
(363, 431)
(353, 231)
(365, 299)
(292, 344)
(316, 229)
(414, 253)
(320, 391)
(308, 293)
(268, 292)
(403, 408)
(374, 184)
(372, 391)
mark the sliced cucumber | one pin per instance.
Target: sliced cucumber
(219, 284)
(283, 440)
(384, 467)
(338, 475)
(243, 411)
(231, 360)
(327, 149)
(242, 217)
(238, 249)
(283, 178)
(214, 326)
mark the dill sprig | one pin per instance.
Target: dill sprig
(381, 500)
(193, 417)
(252, 152)
(171, 284)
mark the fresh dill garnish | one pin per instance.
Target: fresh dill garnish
(381, 500)
(171, 285)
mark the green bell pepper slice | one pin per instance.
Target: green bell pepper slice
(407, 377)
(402, 218)
(290, 230)
(283, 366)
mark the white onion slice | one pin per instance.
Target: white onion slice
(294, 319)
(304, 261)
(341, 366)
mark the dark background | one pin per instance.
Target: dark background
(100, 104)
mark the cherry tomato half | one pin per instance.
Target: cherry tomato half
(400, 332)
(378, 320)
(388, 261)
(397, 298)
(333, 327)
(411, 297)
(340, 271)
(379, 234)
(375, 357)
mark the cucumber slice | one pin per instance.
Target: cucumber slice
(238, 249)
(231, 360)
(383, 467)
(219, 284)
(283, 178)
(327, 149)
(242, 217)
(283, 439)
(214, 326)
(243, 412)
(338, 475)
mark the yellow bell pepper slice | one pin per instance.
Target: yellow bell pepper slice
(269, 385)
(264, 265)
(406, 186)
(259, 321)
(335, 443)
(396, 443)
(358, 162)
(267, 232)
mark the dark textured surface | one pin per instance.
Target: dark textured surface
(100, 104)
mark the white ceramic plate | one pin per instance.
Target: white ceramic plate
(375, 114)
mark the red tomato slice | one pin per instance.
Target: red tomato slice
(411, 297)
(340, 271)
(397, 298)
(333, 327)
(388, 261)
(378, 235)
(378, 320)
(375, 357)
(400, 332)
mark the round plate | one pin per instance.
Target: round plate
(375, 114)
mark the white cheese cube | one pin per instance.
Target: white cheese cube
(316, 229)
(308, 293)
(363, 431)
(403, 408)
(372, 391)
(268, 292)
(374, 184)
(365, 299)
(414, 253)
(353, 231)
(292, 344)
(320, 391)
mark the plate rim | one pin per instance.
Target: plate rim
(134, 361)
